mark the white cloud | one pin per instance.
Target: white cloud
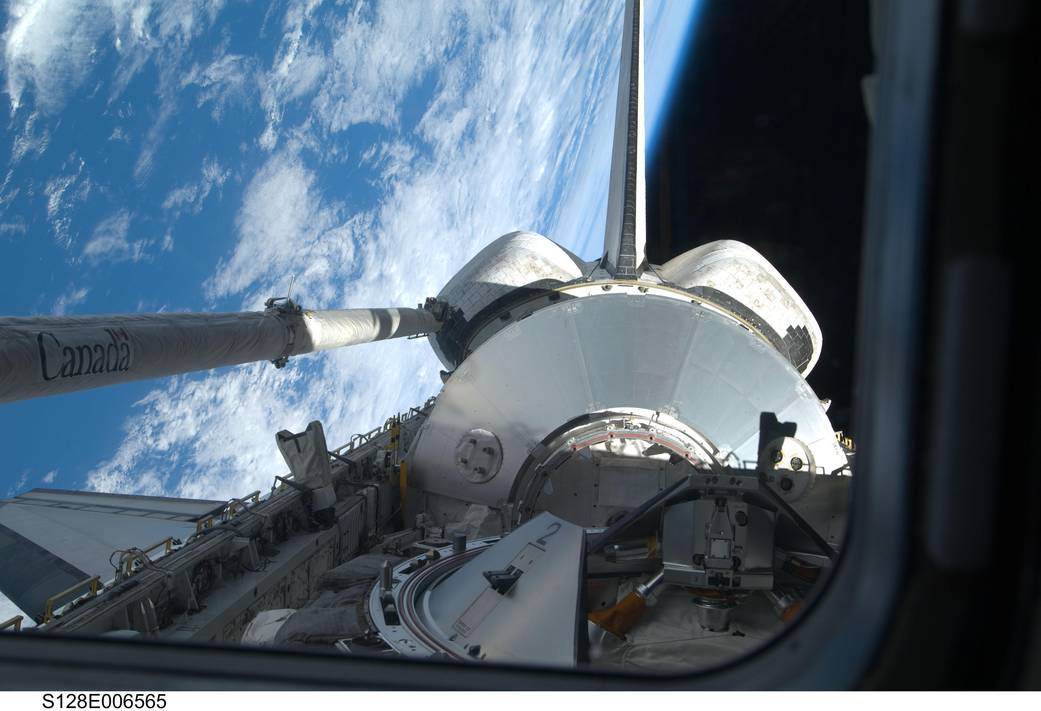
(49, 477)
(33, 139)
(157, 132)
(287, 229)
(74, 297)
(190, 197)
(16, 226)
(63, 192)
(297, 68)
(379, 56)
(519, 90)
(392, 159)
(8, 193)
(109, 242)
(19, 485)
(227, 80)
(179, 429)
(51, 46)
(48, 45)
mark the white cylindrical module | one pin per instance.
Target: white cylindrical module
(571, 363)
(51, 355)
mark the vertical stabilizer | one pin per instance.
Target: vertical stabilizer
(626, 237)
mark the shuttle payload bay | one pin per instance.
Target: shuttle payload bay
(625, 466)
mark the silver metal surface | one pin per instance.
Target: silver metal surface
(791, 470)
(596, 353)
(714, 614)
(647, 590)
(718, 542)
(512, 261)
(826, 505)
(478, 456)
(451, 606)
(597, 470)
(459, 543)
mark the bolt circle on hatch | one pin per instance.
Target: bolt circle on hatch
(478, 456)
(793, 467)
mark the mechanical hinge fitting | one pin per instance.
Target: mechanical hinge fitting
(282, 306)
(502, 581)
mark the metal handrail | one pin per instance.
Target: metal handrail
(230, 510)
(752, 465)
(846, 441)
(93, 584)
(15, 624)
(235, 504)
(363, 438)
(280, 483)
(167, 544)
(144, 554)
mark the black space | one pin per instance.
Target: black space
(765, 142)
